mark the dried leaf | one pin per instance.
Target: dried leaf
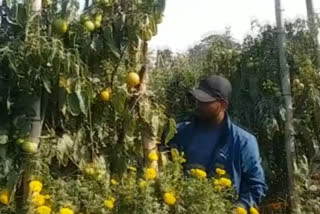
(83, 101)
(64, 148)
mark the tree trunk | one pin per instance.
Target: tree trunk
(313, 29)
(286, 89)
(38, 105)
(149, 141)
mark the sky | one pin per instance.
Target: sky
(186, 22)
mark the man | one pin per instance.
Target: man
(212, 140)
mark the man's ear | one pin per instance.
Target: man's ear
(225, 104)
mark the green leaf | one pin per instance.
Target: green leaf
(13, 178)
(114, 50)
(72, 7)
(153, 26)
(130, 123)
(3, 151)
(7, 165)
(171, 130)
(22, 123)
(155, 124)
(21, 15)
(316, 113)
(3, 136)
(73, 104)
(3, 139)
(161, 6)
(282, 113)
(272, 127)
(83, 101)
(62, 98)
(118, 163)
(119, 99)
(110, 43)
(47, 84)
(145, 111)
(80, 151)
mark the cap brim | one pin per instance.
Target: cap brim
(202, 96)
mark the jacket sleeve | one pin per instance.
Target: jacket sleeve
(252, 187)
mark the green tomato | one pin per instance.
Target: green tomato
(89, 26)
(301, 86)
(101, 172)
(278, 94)
(106, 2)
(89, 171)
(98, 17)
(20, 141)
(46, 3)
(97, 24)
(61, 26)
(296, 82)
(250, 64)
(99, 177)
(29, 147)
(85, 18)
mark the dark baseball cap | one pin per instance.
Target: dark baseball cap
(213, 88)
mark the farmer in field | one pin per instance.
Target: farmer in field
(211, 140)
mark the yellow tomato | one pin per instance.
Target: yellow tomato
(106, 95)
(4, 196)
(133, 79)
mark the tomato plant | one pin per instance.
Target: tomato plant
(78, 122)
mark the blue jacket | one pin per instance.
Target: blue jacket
(238, 155)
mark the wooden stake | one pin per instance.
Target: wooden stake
(286, 89)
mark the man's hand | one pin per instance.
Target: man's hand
(234, 211)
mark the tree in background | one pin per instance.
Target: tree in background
(257, 103)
